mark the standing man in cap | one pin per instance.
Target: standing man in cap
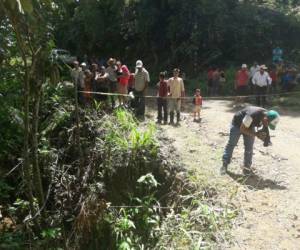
(261, 81)
(141, 81)
(176, 87)
(246, 122)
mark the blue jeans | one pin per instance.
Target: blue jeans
(234, 137)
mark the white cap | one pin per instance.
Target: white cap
(139, 64)
(83, 64)
(244, 66)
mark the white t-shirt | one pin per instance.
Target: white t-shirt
(176, 87)
(247, 121)
(253, 70)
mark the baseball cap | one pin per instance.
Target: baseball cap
(273, 118)
(83, 64)
(139, 64)
(244, 66)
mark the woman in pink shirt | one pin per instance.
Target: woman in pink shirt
(123, 79)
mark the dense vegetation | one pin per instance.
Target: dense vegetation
(190, 34)
(61, 165)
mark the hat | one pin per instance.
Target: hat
(139, 64)
(83, 64)
(273, 118)
(244, 66)
(264, 67)
(111, 61)
(75, 62)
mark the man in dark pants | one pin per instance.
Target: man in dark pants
(162, 102)
(246, 122)
(141, 81)
(261, 81)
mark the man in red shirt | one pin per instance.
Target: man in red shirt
(123, 79)
(162, 103)
(241, 81)
(273, 75)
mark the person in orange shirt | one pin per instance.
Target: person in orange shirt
(197, 104)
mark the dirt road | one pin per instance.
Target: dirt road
(269, 202)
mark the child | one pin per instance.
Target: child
(197, 104)
(162, 99)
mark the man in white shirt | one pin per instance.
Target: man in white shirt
(176, 87)
(261, 81)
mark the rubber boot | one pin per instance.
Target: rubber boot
(171, 118)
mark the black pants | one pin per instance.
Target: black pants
(139, 103)
(162, 106)
(113, 89)
(260, 93)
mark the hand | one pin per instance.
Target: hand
(261, 135)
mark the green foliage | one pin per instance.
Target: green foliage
(202, 33)
(136, 227)
(12, 240)
(5, 190)
(51, 233)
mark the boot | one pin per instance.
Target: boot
(171, 118)
(177, 118)
(223, 169)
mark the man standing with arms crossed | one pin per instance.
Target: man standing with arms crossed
(176, 87)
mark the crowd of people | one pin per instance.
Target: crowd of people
(258, 81)
(116, 81)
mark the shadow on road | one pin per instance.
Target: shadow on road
(256, 182)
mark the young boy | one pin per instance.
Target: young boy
(197, 104)
(162, 94)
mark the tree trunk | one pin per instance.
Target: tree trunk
(26, 153)
(35, 157)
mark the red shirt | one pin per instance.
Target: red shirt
(198, 100)
(242, 78)
(124, 79)
(273, 76)
(210, 74)
(162, 88)
(131, 80)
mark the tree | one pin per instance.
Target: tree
(28, 20)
